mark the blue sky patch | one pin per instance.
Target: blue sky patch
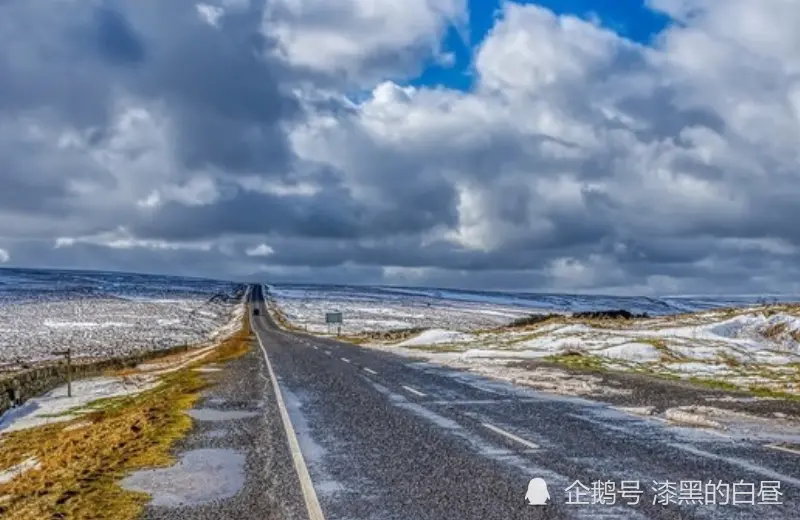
(629, 18)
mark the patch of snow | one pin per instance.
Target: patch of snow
(18, 469)
(498, 354)
(55, 406)
(698, 368)
(437, 337)
(692, 419)
(636, 410)
(638, 352)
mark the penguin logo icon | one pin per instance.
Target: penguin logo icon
(537, 494)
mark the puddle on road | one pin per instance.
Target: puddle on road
(199, 477)
(210, 414)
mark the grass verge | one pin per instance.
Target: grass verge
(81, 461)
(577, 359)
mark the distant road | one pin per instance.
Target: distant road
(385, 437)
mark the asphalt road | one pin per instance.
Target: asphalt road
(387, 438)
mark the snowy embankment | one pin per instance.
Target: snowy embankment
(750, 347)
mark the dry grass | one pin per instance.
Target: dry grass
(775, 331)
(667, 355)
(729, 360)
(80, 467)
(280, 317)
(234, 347)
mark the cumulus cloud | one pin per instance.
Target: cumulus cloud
(225, 135)
(360, 41)
(4, 256)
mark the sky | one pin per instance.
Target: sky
(621, 147)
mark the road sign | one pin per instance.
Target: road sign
(334, 318)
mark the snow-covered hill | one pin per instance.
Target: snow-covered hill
(107, 314)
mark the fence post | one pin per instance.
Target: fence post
(69, 372)
(68, 354)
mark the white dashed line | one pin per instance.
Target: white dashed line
(370, 371)
(315, 347)
(511, 436)
(413, 391)
(327, 352)
(782, 448)
(345, 359)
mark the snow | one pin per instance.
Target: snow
(55, 406)
(697, 368)
(380, 309)
(752, 345)
(639, 352)
(436, 337)
(18, 469)
(493, 354)
(692, 419)
(101, 315)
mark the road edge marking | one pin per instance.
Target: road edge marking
(306, 484)
(511, 436)
(413, 391)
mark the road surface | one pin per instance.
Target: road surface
(355, 433)
(385, 437)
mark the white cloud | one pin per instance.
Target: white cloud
(360, 40)
(260, 250)
(210, 14)
(4, 256)
(121, 238)
(199, 190)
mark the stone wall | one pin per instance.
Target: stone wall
(38, 380)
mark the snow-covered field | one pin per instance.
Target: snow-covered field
(107, 314)
(380, 309)
(737, 341)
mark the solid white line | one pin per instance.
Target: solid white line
(782, 448)
(345, 359)
(413, 391)
(309, 494)
(370, 371)
(511, 436)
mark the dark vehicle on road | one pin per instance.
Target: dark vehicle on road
(255, 312)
